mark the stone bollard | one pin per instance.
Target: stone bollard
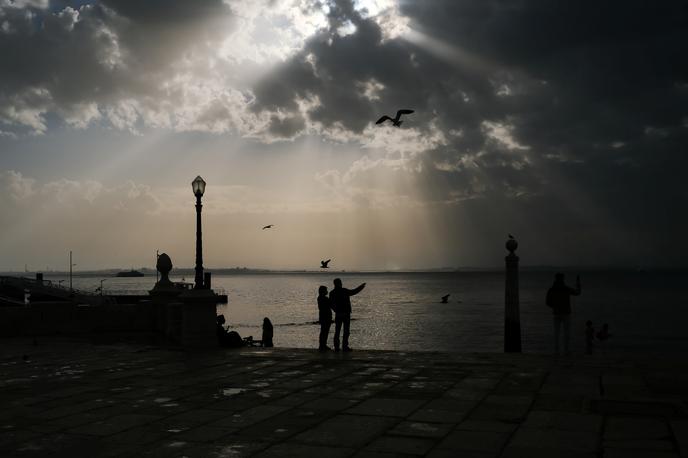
(512, 319)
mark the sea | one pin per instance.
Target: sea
(646, 312)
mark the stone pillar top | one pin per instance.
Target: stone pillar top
(511, 244)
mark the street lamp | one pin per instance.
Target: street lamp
(70, 270)
(198, 186)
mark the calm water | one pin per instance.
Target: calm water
(402, 311)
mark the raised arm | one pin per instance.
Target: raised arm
(358, 289)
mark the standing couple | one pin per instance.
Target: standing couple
(340, 303)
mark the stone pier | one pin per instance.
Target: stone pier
(70, 398)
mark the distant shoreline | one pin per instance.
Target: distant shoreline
(187, 271)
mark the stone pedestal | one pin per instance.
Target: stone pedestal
(198, 318)
(512, 314)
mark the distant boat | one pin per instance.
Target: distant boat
(130, 273)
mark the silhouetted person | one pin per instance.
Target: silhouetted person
(445, 299)
(225, 338)
(324, 317)
(559, 299)
(342, 311)
(589, 337)
(267, 332)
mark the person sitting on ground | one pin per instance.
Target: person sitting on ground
(324, 317)
(267, 332)
(225, 338)
(589, 337)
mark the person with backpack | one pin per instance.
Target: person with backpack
(559, 300)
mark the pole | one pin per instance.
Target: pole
(157, 272)
(199, 246)
(512, 319)
(70, 270)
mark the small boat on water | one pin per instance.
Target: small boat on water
(130, 273)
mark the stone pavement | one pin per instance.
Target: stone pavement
(70, 398)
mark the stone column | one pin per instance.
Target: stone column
(512, 319)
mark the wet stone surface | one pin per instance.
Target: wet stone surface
(71, 398)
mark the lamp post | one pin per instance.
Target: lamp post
(512, 314)
(101, 287)
(70, 270)
(198, 186)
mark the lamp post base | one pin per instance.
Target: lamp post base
(198, 318)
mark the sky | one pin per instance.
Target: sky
(562, 123)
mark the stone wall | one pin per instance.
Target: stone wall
(50, 318)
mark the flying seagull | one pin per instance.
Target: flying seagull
(268, 226)
(445, 299)
(395, 121)
(324, 264)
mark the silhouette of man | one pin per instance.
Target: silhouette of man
(342, 311)
(559, 300)
(324, 317)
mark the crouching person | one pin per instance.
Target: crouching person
(225, 337)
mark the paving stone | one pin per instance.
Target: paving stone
(421, 429)
(466, 394)
(625, 453)
(371, 454)
(386, 407)
(482, 425)
(330, 404)
(114, 424)
(578, 441)
(503, 408)
(401, 445)
(250, 416)
(521, 382)
(437, 416)
(442, 453)
(204, 433)
(635, 428)
(352, 430)
(639, 444)
(563, 402)
(302, 450)
(60, 444)
(564, 421)
(478, 441)
(285, 425)
(234, 447)
(528, 452)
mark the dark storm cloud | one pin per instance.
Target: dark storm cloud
(575, 110)
(65, 60)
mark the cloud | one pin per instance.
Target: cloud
(574, 109)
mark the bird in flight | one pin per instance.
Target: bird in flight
(395, 121)
(445, 299)
(268, 226)
(324, 264)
